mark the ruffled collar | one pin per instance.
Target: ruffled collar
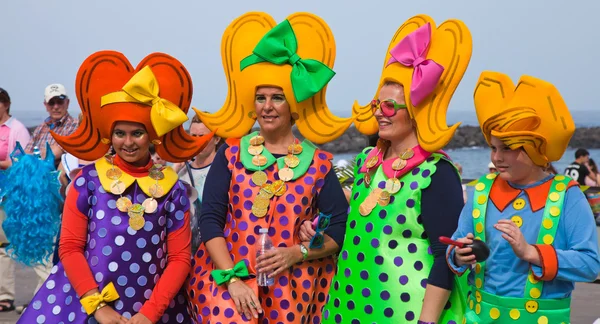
(131, 174)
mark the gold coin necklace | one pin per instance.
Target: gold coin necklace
(255, 149)
(381, 146)
(124, 204)
(392, 185)
(277, 188)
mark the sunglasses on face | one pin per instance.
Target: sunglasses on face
(322, 223)
(56, 101)
(388, 107)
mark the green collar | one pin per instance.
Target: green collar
(306, 157)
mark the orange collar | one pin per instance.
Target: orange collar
(502, 194)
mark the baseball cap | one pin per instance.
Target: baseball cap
(55, 90)
(491, 166)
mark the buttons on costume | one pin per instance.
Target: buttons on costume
(519, 204)
(478, 296)
(517, 220)
(554, 211)
(494, 313)
(554, 196)
(547, 223)
(532, 278)
(478, 283)
(548, 239)
(491, 176)
(531, 306)
(480, 186)
(514, 314)
(543, 320)
(481, 199)
(476, 213)
(535, 293)
(560, 187)
(479, 228)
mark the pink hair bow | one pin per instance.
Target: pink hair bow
(412, 51)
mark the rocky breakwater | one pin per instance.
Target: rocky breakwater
(465, 136)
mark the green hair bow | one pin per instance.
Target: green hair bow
(279, 46)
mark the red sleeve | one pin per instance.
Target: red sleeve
(73, 237)
(549, 261)
(178, 267)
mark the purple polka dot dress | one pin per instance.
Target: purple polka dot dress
(132, 260)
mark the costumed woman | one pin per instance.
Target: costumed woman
(407, 192)
(539, 227)
(125, 236)
(268, 179)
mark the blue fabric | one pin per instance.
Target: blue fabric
(576, 245)
(32, 203)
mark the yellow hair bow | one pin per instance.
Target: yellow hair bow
(108, 294)
(143, 88)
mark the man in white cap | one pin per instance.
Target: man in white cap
(59, 121)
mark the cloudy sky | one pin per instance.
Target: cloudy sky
(45, 42)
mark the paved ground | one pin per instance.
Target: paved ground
(585, 303)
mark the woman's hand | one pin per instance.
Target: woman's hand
(139, 318)
(107, 315)
(513, 235)
(464, 256)
(306, 231)
(245, 299)
(277, 260)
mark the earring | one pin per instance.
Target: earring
(156, 142)
(105, 141)
(252, 115)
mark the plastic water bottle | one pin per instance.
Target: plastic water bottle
(263, 245)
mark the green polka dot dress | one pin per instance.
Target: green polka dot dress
(386, 257)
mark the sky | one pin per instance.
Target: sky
(45, 42)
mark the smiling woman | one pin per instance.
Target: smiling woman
(269, 180)
(131, 142)
(124, 212)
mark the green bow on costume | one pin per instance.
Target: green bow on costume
(279, 46)
(222, 276)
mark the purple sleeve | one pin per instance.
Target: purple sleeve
(177, 205)
(80, 183)
(441, 204)
(215, 197)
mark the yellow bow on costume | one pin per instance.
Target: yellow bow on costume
(108, 294)
(143, 88)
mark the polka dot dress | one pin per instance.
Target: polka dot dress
(298, 295)
(386, 258)
(132, 260)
